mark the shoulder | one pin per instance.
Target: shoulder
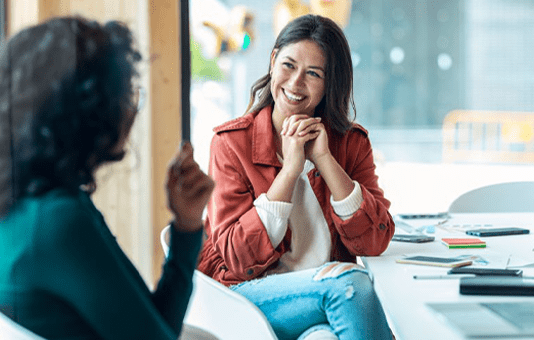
(357, 128)
(62, 203)
(356, 133)
(355, 138)
(239, 123)
(51, 221)
(60, 211)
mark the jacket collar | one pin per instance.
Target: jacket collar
(263, 145)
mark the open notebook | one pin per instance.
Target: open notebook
(492, 320)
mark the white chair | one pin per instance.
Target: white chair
(501, 197)
(226, 314)
(10, 330)
(220, 311)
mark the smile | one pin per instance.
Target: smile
(292, 97)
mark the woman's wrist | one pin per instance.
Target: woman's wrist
(282, 187)
(187, 226)
(321, 160)
(290, 172)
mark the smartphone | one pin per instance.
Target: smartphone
(497, 231)
(486, 271)
(436, 261)
(412, 238)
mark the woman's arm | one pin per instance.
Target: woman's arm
(77, 260)
(84, 266)
(371, 227)
(233, 225)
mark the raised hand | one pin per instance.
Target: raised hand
(188, 190)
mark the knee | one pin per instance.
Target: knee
(347, 278)
(336, 270)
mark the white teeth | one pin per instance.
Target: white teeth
(292, 97)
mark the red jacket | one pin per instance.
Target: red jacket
(243, 163)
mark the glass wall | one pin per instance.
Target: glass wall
(415, 62)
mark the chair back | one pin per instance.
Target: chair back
(221, 311)
(10, 330)
(501, 197)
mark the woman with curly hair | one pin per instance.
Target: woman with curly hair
(67, 104)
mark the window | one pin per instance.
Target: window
(415, 62)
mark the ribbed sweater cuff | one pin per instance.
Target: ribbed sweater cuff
(348, 206)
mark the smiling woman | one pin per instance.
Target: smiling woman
(297, 194)
(297, 80)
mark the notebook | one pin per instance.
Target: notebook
(452, 243)
(491, 320)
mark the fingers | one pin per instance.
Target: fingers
(185, 174)
(300, 125)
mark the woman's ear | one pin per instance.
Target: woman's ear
(274, 53)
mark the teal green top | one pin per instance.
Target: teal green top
(64, 276)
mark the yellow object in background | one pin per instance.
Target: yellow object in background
(287, 10)
(517, 132)
(237, 35)
(337, 10)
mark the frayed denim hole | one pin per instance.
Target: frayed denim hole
(336, 272)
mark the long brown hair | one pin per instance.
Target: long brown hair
(334, 108)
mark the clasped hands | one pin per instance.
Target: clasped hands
(303, 137)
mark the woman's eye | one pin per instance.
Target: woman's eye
(288, 65)
(314, 74)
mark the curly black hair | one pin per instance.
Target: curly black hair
(67, 94)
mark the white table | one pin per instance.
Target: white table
(431, 187)
(404, 298)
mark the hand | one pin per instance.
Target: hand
(297, 130)
(188, 190)
(318, 147)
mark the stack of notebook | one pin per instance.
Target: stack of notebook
(463, 243)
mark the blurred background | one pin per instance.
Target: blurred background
(444, 87)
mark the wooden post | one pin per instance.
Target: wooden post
(164, 23)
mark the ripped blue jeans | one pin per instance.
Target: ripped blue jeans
(337, 295)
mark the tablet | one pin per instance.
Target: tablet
(414, 238)
(486, 271)
(435, 261)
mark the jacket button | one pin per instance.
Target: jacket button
(382, 226)
(317, 174)
(250, 271)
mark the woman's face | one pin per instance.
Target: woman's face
(297, 78)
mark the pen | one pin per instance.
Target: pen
(441, 277)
